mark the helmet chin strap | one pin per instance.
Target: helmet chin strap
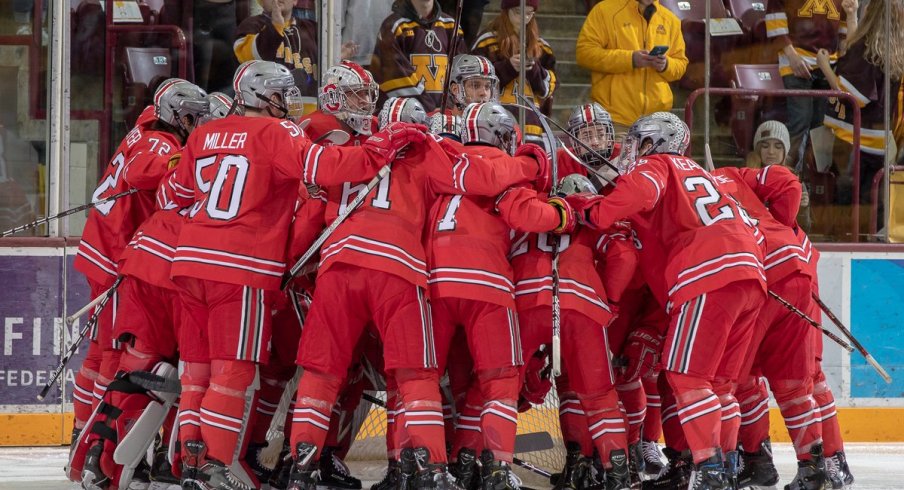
(281, 108)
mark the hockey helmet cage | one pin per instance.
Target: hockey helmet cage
(350, 93)
(489, 123)
(574, 184)
(402, 109)
(256, 81)
(175, 99)
(472, 67)
(592, 125)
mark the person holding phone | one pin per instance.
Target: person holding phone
(633, 49)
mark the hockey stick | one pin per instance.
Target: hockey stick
(81, 336)
(847, 333)
(444, 102)
(73, 317)
(337, 137)
(556, 242)
(67, 212)
(529, 467)
(276, 434)
(335, 224)
(796, 311)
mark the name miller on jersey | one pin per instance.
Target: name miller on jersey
(225, 141)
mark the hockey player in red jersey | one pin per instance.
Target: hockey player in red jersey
(472, 80)
(591, 125)
(348, 100)
(242, 174)
(584, 316)
(472, 299)
(714, 274)
(139, 163)
(780, 350)
(373, 271)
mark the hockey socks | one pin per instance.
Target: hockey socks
(634, 400)
(700, 413)
(825, 402)
(499, 417)
(652, 423)
(573, 420)
(607, 425)
(317, 393)
(419, 389)
(195, 378)
(754, 400)
(223, 407)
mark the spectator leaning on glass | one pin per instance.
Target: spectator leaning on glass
(275, 35)
(770, 147)
(801, 28)
(861, 72)
(412, 52)
(617, 44)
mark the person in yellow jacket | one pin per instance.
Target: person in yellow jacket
(617, 45)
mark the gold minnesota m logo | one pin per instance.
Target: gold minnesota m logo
(820, 7)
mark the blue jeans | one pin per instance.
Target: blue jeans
(804, 113)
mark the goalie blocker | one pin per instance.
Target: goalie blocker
(118, 433)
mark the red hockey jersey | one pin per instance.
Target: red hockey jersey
(784, 254)
(678, 212)
(386, 232)
(150, 254)
(580, 287)
(243, 174)
(468, 242)
(140, 162)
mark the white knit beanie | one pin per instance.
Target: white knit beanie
(773, 130)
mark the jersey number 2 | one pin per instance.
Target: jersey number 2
(704, 204)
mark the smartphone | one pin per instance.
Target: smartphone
(659, 50)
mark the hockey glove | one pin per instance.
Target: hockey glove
(543, 182)
(642, 352)
(568, 220)
(582, 203)
(389, 141)
(537, 380)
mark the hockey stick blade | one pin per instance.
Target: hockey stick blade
(337, 137)
(153, 382)
(533, 442)
(528, 466)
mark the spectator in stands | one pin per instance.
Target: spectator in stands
(471, 16)
(770, 147)
(213, 33)
(801, 28)
(500, 45)
(359, 32)
(861, 71)
(276, 35)
(615, 43)
(412, 52)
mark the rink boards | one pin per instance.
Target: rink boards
(864, 286)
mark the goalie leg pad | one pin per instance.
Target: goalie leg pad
(138, 436)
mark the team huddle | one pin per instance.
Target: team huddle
(269, 267)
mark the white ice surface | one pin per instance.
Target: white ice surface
(875, 467)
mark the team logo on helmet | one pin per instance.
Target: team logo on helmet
(350, 93)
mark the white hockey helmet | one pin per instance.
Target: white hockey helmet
(592, 125)
(489, 123)
(256, 81)
(175, 99)
(350, 93)
(402, 109)
(658, 133)
(467, 67)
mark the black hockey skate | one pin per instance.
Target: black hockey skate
(390, 481)
(758, 470)
(576, 471)
(465, 470)
(710, 474)
(838, 472)
(252, 460)
(431, 476)
(334, 473)
(279, 479)
(811, 475)
(618, 477)
(161, 471)
(635, 464)
(92, 476)
(304, 474)
(497, 475)
(200, 473)
(677, 474)
(654, 462)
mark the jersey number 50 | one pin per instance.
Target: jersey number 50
(224, 193)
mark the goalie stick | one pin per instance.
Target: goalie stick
(67, 212)
(335, 224)
(81, 336)
(844, 345)
(337, 137)
(847, 333)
